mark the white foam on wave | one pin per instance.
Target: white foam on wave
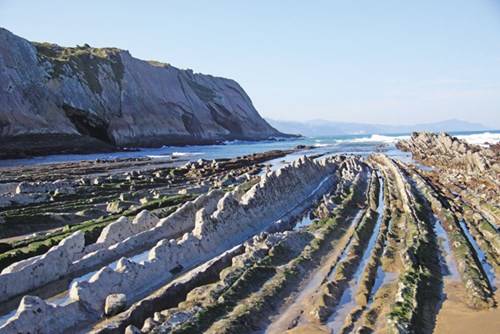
(375, 138)
(481, 139)
(159, 156)
(184, 154)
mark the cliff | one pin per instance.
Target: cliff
(55, 99)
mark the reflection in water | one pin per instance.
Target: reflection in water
(487, 268)
(448, 264)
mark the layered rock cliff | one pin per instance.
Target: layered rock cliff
(56, 99)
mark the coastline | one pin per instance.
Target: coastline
(349, 144)
(36, 145)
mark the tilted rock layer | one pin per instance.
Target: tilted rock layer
(104, 97)
(471, 171)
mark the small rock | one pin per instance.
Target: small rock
(97, 181)
(115, 303)
(118, 206)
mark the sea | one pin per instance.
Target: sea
(362, 144)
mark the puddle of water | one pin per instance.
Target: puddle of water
(488, 269)
(346, 304)
(304, 221)
(424, 167)
(381, 278)
(374, 236)
(141, 257)
(448, 264)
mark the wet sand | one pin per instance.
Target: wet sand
(457, 318)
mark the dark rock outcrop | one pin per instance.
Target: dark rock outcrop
(55, 99)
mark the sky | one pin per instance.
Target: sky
(387, 62)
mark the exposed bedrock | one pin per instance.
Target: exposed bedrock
(215, 226)
(122, 229)
(29, 274)
(174, 292)
(56, 99)
(314, 246)
(469, 171)
(26, 193)
(479, 290)
(450, 152)
(261, 279)
(419, 278)
(116, 240)
(238, 216)
(463, 190)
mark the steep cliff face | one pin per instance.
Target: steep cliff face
(102, 98)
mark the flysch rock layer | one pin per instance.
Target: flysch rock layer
(236, 217)
(116, 240)
(34, 315)
(179, 222)
(84, 98)
(29, 274)
(232, 222)
(451, 153)
(123, 228)
(471, 171)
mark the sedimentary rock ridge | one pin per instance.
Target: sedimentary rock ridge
(117, 239)
(67, 99)
(239, 213)
(336, 244)
(451, 153)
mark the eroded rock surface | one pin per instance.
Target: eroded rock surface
(342, 244)
(89, 99)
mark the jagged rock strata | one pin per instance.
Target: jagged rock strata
(349, 259)
(116, 240)
(238, 213)
(55, 99)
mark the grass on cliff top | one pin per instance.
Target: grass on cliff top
(83, 59)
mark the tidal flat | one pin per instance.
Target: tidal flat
(296, 240)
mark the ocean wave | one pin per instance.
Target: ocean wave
(239, 142)
(375, 138)
(158, 156)
(481, 138)
(185, 154)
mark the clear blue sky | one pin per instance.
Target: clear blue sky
(362, 61)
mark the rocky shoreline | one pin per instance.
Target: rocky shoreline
(324, 243)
